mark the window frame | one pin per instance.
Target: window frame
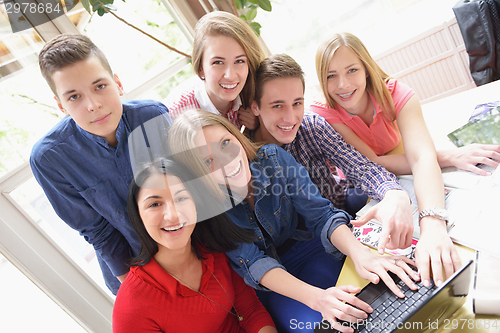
(30, 249)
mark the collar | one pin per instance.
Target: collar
(153, 274)
(201, 95)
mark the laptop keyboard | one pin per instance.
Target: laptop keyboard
(389, 308)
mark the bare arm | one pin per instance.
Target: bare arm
(465, 158)
(434, 246)
(396, 163)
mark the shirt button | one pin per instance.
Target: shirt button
(260, 237)
(241, 261)
(258, 213)
(271, 230)
(251, 218)
(261, 154)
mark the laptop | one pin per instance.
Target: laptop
(422, 310)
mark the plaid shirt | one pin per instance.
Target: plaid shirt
(196, 97)
(317, 144)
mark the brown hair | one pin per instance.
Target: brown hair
(223, 23)
(65, 50)
(375, 82)
(275, 67)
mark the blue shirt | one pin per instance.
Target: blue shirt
(87, 183)
(317, 145)
(283, 190)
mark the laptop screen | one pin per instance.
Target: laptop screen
(442, 304)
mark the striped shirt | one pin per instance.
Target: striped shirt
(317, 144)
(196, 97)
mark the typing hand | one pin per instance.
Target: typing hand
(373, 267)
(394, 213)
(436, 249)
(247, 118)
(332, 306)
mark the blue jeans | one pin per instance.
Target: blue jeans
(308, 262)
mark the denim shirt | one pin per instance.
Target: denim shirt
(87, 181)
(283, 190)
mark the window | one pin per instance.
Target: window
(43, 247)
(380, 24)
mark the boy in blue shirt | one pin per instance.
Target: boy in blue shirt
(83, 163)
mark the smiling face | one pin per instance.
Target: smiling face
(168, 211)
(91, 96)
(224, 154)
(225, 68)
(346, 80)
(281, 110)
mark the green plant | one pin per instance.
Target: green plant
(248, 11)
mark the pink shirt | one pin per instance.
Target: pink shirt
(380, 136)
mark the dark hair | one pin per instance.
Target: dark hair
(275, 67)
(65, 50)
(215, 233)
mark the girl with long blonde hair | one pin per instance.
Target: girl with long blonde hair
(377, 114)
(301, 238)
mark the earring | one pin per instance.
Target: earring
(202, 77)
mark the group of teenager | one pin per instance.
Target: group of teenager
(233, 230)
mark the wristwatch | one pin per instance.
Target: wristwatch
(437, 212)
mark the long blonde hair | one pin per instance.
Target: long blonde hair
(182, 139)
(375, 81)
(223, 23)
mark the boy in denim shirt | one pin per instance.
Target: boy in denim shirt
(83, 163)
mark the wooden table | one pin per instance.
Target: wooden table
(442, 117)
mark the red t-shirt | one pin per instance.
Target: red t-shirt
(151, 300)
(380, 136)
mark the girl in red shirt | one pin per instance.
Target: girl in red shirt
(181, 281)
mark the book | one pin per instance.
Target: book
(483, 126)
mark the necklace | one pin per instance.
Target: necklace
(235, 313)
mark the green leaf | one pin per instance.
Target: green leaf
(86, 5)
(238, 4)
(96, 5)
(101, 11)
(243, 17)
(255, 27)
(254, 1)
(251, 13)
(266, 5)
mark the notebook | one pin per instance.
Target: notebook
(483, 127)
(424, 309)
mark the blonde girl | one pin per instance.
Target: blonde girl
(376, 114)
(301, 237)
